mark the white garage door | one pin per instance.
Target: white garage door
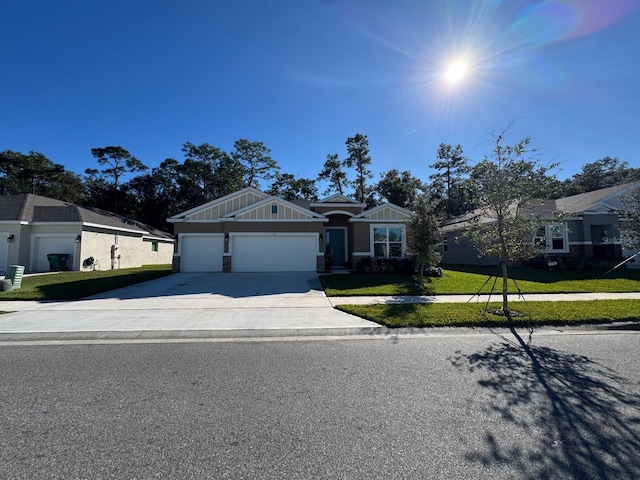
(274, 253)
(4, 251)
(42, 246)
(201, 253)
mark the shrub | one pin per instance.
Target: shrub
(400, 266)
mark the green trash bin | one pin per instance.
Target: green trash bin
(57, 261)
(15, 274)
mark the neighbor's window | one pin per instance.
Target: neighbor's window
(154, 246)
(274, 209)
(556, 237)
(445, 244)
(539, 235)
(387, 241)
(553, 237)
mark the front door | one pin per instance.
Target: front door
(336, 246)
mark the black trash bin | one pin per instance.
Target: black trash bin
(57, 261)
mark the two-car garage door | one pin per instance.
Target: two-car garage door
(274, 252)
(250, 252)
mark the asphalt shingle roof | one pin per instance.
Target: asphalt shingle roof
(27, 207)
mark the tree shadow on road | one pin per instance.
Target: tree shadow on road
(581, 419)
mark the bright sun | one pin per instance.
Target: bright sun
(456, 71)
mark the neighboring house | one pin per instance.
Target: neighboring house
(251, 231)
(583, 226)
(31, 227)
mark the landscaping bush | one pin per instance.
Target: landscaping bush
(397, 266)
(433, 272)
(570, 263)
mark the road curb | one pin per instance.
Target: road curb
(194, 334)
(375, 331)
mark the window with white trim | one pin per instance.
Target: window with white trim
(388, 241)
(553, 237)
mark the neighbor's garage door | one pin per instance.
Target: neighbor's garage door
(201, 253)
(4, 251)
(274, 253)
(42, 246)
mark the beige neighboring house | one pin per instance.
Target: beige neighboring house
(32, 226)
(251, 231)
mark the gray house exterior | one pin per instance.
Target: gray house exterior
(585, 226)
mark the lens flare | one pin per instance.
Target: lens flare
(457, 71)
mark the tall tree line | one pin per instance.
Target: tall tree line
(123, 184)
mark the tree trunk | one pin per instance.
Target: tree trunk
(505, 288)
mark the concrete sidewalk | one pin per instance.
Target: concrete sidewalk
(531, 297)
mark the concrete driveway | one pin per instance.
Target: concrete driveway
(188, 305)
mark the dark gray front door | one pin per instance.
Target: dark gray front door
(336, 246)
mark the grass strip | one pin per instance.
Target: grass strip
(76, 285)
(474, 315)
(461, 282)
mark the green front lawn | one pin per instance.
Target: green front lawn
(473, 279)
(474, 315)
(75, 285)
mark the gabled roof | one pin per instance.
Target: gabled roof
(262, 211)
(387, 212)
(603, 200)
(215, 209)
(29, 208)
(337, 198)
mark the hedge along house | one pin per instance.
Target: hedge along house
(32, 227)
(583, 226)
(251, 231)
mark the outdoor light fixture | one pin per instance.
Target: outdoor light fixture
(226, 238)
(320, 237)
(78, 238)
(10, 238)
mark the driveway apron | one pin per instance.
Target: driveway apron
(194, 304)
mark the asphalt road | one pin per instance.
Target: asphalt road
(474, 406)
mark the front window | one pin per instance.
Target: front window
(387, 241)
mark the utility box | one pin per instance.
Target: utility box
(5, 285)
(57, 261)
(15, 274)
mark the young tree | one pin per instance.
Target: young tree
(254, 157)
(452, 166)
(333, 173)
(401, 189)
(423, 236)
(505, 184)
(359, 159)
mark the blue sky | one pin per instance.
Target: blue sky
(303, 75)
